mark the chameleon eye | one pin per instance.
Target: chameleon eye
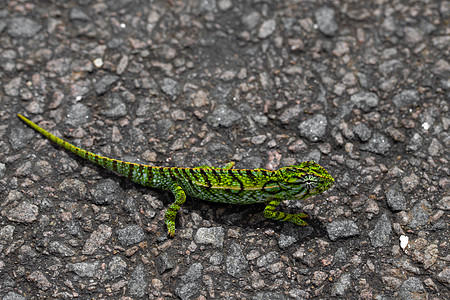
(310, 182)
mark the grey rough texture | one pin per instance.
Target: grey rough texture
(84, 269)
(97, 239)
(420, 214)
(340, 287)
(78, 114)
(23, 27)
(342, 229)
(412, 288)
(365, 100)
(189, 83)
(116, 108)
(19, 137)
(72, 190)
(444, 276)
(137, 285)
(381, 234)
(164, 262)
(235, 261)
(378, 144)
(77, 14)
(267, 28)
(406, 98)
(106, 192)
(325, 18)
(188, 286)
(269, 295)
(395, 198)
(171, 88)
(60, 248)
(130, 235)
(213, 236)
(224, 116)
(105, 84)
(117, 268)
(25, 212)
(314, 129)
(363, 132)
(13, 296)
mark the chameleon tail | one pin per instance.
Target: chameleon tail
(133, 171)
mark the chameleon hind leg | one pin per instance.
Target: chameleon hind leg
(270, 213)
(171, 213)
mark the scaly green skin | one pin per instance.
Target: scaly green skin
(226, 185)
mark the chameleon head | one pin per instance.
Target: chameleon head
(306, 179)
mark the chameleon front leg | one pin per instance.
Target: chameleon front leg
(171, 213)
(270, 213)
(229, 166)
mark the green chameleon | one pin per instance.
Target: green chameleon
(226, 185)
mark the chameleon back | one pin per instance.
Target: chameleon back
(243, 186)
(235, 186)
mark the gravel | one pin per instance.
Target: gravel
(25, 212)
(78, 114)
(189, 286)
(213, 236)
(342, 229)
(314, 129)
(171, 88)
(130, 235)
(267, 28)
(115, 107)
(406, 98)
(395, 198)
(265, 84)
(23, 27)
(105, 84)
(325, 18)
(224, 116)
(236, 263)
(381, 234)
(138, 282)
(378, 144)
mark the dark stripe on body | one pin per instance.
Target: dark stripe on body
(172, 174)
(130, 170)
(216, 175)
(176, 173)
(194, 173)
(149, 171)
(186, 175)
(264, 172)
(141, 173)
(114, 165)
(236, 178)
(250, 175)
(161, 172)
(205, 178)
